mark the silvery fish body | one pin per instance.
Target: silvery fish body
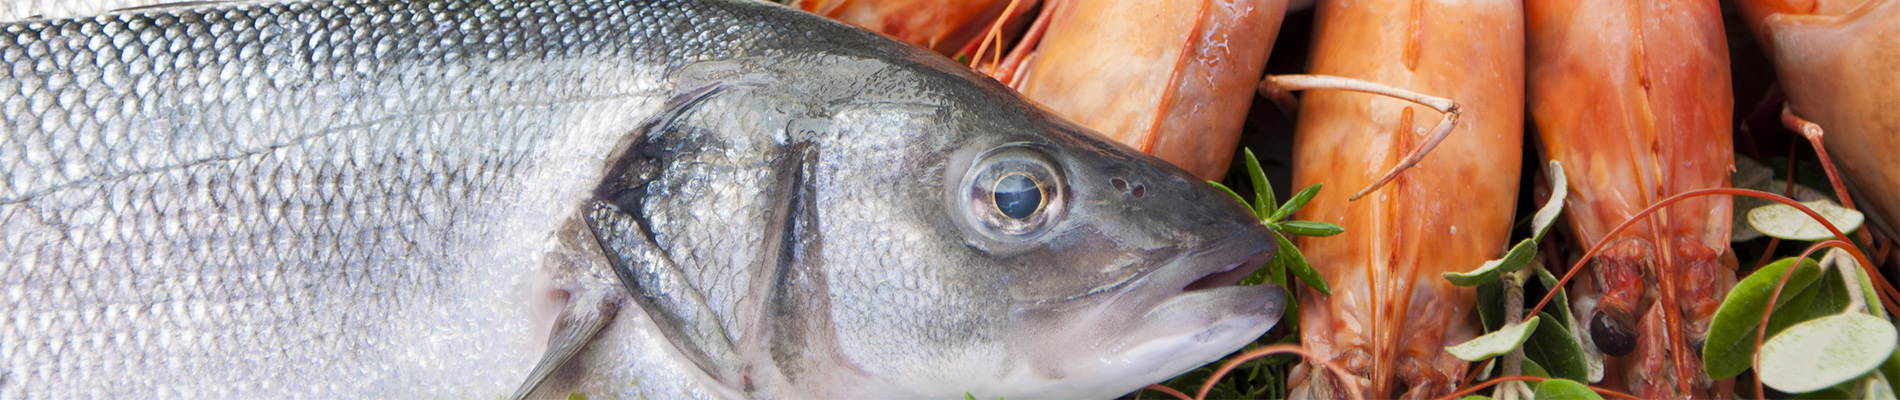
(659, 198)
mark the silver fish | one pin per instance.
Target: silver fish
(620, 198)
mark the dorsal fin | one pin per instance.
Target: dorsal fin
(169, 5)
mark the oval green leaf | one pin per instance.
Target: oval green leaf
(1519, 256)
(1825, 352)
(1891, 369)
(1296, 263)
(1787, 223)
(1730, 346)
(1560, 304)
(1564, 389)
(1873, 387)
(1532, 369)
(1491, 304)
(1552, 347)
(1559, 188)
(1495, 343)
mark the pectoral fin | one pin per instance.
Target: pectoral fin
(586, 314)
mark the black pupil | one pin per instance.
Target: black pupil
(1017, 196)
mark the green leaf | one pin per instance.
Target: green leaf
(1495, 343)
(1729, 348)
(1491, 304)
(1532, 369)
(576, 396)
(1891, 369)
(1592, 358)
(968, 396)
(1273, 271)
(1866, 284)
(1519, 256)
(1230, 192)
(1308, 228)
(1296, 262)
(1552, 347)
(1292, 316)
(1559, 305)
(1825, 296)
(1873, 386)
(1559, 189)
(1825, 352)
(1787, 223)
(1298, 201)
(1563, 389)
(1263, 201)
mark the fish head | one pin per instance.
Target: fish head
(1016, 254)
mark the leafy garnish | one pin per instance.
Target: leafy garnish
(1564, 389)
(1787, 223)
(1274, 217)
(1495, 343)
(1826, 351)
(1730, 347)
(1552, 347)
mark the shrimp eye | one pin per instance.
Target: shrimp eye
(1017, 195)
(1013, 192)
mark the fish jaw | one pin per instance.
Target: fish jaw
(1147, 328)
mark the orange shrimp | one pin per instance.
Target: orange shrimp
(1170, 78)
(1633, 97)
(946, 27)
(1390, 313)
(1176, 82)
(1838, 61)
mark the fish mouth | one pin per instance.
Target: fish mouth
(1153, 325)
(1191, 311)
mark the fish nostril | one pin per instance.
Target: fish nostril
(1119, 184)
(1138, 191)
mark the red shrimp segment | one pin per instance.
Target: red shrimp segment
(1633, 97)
(1391, 313)
(1839, 62)
(1176, 81)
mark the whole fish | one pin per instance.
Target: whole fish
(656, 198)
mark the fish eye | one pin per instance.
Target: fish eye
(1017, 195)
(1013, 192)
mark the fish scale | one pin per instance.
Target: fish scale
(200, 176)
(653, 198)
